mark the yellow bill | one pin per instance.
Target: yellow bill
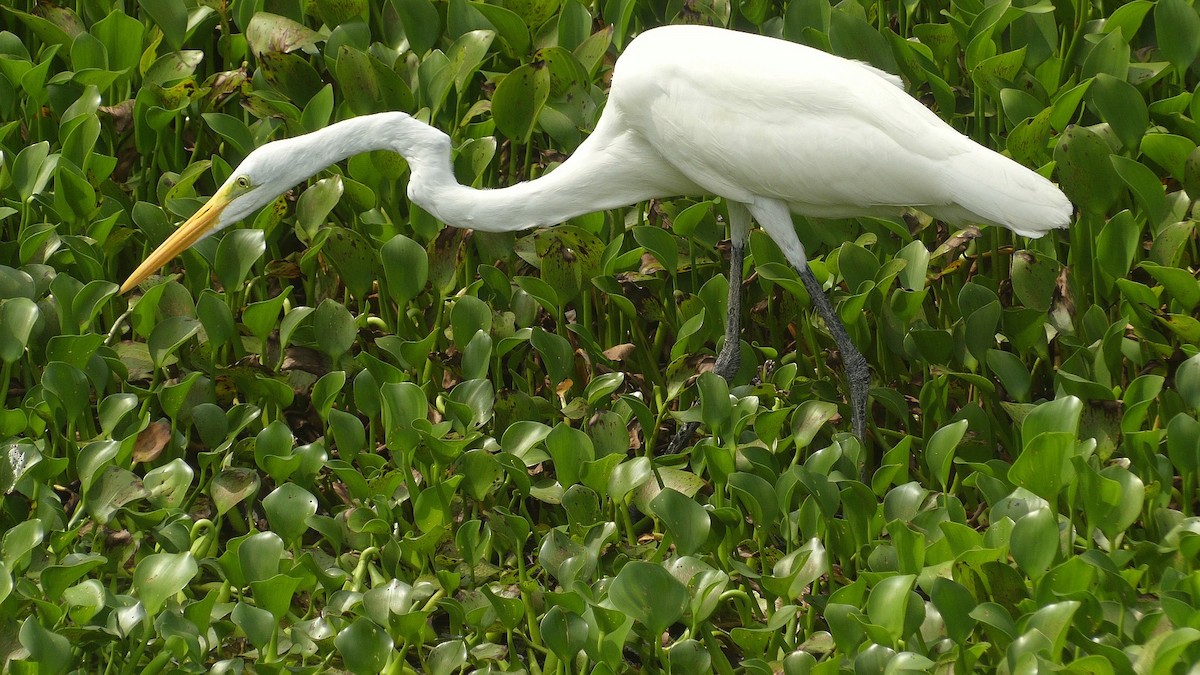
(191, 231)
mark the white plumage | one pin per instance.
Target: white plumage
(771, 126)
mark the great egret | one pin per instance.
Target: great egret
(773, 127)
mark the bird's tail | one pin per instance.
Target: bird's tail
(993, 189)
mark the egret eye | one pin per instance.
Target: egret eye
(243, 182)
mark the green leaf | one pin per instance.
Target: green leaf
(939, 451)
(852, 37)
(541, 291)
(354, 258)
(336, 12)
(625, 477)
(690, 656)
(236, 254)
(569, 258)
(169, 335)
(569, 448)
(169, 16)
(348, 433)
(406, 268)
(1169, 151)
(795, 573)
(1117, 245)
(360, 86)
(1179, 283)
(51, 651)
(20, 541)
(467, 53)
(168, 485)
(316, 203)
(1034, 541)
(431, 509)
(422, 24)
(1084, 170)
(259, 556)
(326, 390)
(660, 243)
(1177, 25)
(955, 603)
(887, 605)
(288, 508)
(258, 624)
(1183, 443)
(1054, 622)
(1108, 55)
(1011, 372)
(1191, 173)
(268, 32)
(468, 316)
(66, 389)
(648, 594)
(511, 28)
(716, 410)
(1121, 105)
(447, 658)
(121, 35)
(809, 418)
(273, 450)
(1053, 416)
(32, 169)
(995, 72)
(215, 317)
(233, 486)
(757, 496)
(565, 632)
(685, 519)
(263, 317)
(158, 577)
(1112, 498)
(518, 99)
(18, 316)
(557, 355)
(334, 328)
(1128, 17)
(1044, 466)
(477, 399)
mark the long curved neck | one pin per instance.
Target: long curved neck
(604, 173)
(612, 168)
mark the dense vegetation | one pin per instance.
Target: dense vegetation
(349, 438)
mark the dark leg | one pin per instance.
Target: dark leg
(775, 218)
(857, 370)
(729, 360)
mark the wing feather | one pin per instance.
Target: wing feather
(744, 116)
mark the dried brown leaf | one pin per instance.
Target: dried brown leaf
(619, 352)
(151, 441)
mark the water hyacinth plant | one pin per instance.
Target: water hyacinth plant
(349, 438)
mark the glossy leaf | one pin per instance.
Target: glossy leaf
(364, 646)
(518, 99)
(236, 254)
(649, 594)
(160, 576)
(686, 520)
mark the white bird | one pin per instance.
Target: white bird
(773, 127)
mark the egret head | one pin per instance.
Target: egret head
(267, 172)
(275, 167)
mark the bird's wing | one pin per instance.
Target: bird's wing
(743, 115)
